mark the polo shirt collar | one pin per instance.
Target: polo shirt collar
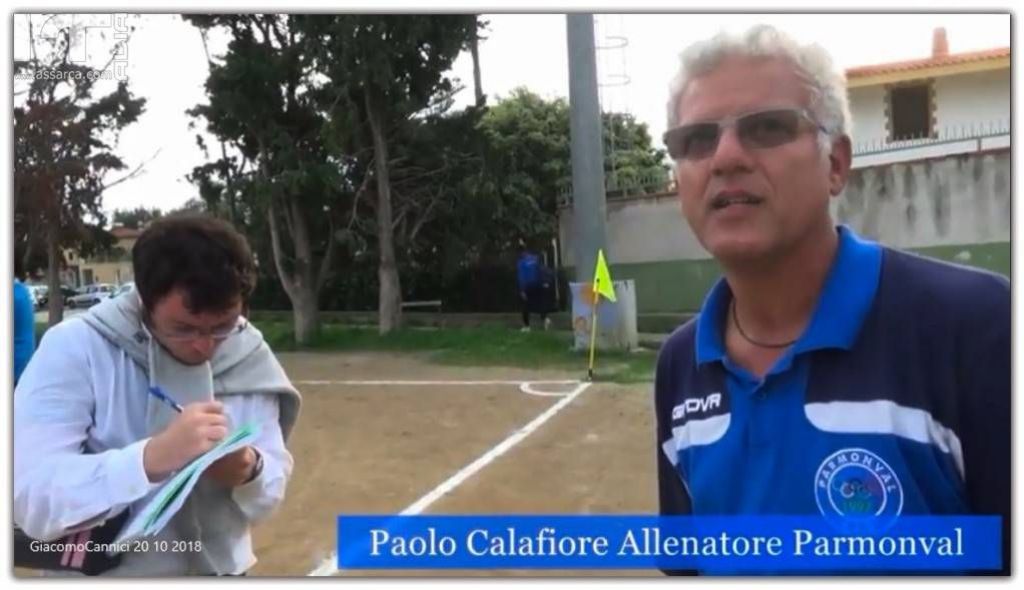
(845, 299)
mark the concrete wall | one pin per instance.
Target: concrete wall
(955, 208)
(640, 229)
(955, 200)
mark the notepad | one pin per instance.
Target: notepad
(166, 500)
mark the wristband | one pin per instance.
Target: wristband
(257, 469)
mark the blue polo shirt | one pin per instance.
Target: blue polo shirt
(894, 400)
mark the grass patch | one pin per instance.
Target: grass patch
(481, 346)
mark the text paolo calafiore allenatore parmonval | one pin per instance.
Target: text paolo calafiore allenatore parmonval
(650, 541)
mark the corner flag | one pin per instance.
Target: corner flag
(603, 279)
(602, 286)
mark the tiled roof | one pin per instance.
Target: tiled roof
(929, 62)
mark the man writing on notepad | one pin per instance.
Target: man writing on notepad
(118, 400)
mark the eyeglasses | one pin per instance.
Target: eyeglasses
(762, 129)
(190, 333)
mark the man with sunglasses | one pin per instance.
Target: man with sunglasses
(121, 398)
(825, 374)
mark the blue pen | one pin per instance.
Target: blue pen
(159, 394)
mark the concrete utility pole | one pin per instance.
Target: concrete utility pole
(588, 197)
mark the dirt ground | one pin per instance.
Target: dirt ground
(378, 448)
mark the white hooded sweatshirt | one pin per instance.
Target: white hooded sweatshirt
(83, 415)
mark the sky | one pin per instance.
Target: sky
(637, 56)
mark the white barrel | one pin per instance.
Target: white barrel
(616, 321)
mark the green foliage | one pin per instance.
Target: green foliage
(262, 108)
(135, 218)
(632, 165)
(291, 101)
(528, 165)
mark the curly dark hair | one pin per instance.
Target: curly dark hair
(204, 255)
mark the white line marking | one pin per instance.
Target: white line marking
(329, 566)
(527, 387)
(442, 383)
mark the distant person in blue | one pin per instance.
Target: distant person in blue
(825, 374)
(24, 328)
(530, 277)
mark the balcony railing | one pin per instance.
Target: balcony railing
(976, 132)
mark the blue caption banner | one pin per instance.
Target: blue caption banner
(720, 544)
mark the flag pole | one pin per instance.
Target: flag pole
(593, 330)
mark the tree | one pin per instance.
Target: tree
(632, 165)
(528, 160)
(468, 185)
(192, 206)
(136, 218)
(527, 166)
(279, 174)
(441, 219)
(64, 145)
(386, 69)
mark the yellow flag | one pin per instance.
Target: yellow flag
(603, 279)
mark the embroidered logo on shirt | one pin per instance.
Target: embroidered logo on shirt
(697, 405)
(857, 490)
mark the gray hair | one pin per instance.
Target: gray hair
(829, 102)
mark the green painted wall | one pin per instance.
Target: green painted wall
(670, 286)
(680, 285)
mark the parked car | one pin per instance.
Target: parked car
(124, 288)
(90, 295)
(65, 291)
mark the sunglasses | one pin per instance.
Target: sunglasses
(763, 129)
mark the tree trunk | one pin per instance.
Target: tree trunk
(477, 86)
(390, 294)
(300, 285)
(56, 303)
(306, 316)
(26, 259)
(307, 321)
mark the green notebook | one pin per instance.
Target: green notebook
(165, 502)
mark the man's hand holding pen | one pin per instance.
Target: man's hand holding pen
(196, 430)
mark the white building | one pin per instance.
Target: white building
(948, 103)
